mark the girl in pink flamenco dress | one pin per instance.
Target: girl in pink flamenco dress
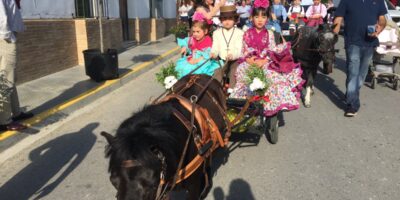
(259, 48)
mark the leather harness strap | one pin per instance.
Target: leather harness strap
(209, 131)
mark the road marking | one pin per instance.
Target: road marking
(43, 115)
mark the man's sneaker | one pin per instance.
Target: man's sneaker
(350, 113)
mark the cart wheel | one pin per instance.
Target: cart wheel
(396, 83)
(373, 82)
(272, 129)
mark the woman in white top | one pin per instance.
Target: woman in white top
(184, 9)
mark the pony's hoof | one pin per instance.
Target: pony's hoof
(307, 105)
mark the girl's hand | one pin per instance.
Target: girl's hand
(195, 61)
(261, 63)
(183, 51)
(229, 57)
(222, 3)
(316, 16)
(273, 16)
(192, 61)
(250, 60)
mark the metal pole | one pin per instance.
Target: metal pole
(101, 25)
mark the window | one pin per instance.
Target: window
(83, 8)
(156, 8)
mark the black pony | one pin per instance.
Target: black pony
(153, 140)
(310, 47)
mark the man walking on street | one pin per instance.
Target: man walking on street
(10, 23)
(364, 20)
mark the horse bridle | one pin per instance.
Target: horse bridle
(320, 51)
(161, 191)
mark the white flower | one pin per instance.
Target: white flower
(273, 28)
(169, 81)
(252, 87)
(257, 84)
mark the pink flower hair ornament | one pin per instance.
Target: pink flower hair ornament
(198, 16)
(261, 3)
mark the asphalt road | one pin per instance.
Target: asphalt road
(320, 153)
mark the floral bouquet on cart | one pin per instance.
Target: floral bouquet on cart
(167, 76)
(257, 83)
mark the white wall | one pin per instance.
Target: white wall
(113, 8)
(138, 8)
(169, 9)
(34, 9)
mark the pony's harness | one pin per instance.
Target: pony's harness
(206, 135)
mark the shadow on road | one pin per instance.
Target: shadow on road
(239, 189)
(238, 140)
(74, 91)
(327, 85)
(50, 164)
(340, 64)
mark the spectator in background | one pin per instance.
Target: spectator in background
(279, 10)
(296, 14)
(316, 14)
(244, 11)
(10, 23)
(184, 9)
(210, 9)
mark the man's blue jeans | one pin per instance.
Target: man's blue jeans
(358, 59)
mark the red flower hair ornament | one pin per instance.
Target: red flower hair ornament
(261, 3)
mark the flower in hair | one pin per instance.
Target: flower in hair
(198, 16)
(261, 3)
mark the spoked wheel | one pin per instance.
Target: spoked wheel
(272, 129)
(373, 82)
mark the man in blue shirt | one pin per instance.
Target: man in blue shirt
(364, 20)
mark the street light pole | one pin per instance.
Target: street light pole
(101, 25)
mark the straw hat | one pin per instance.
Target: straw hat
(228, 11)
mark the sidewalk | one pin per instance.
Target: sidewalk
(53, 97)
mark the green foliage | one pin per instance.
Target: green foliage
(180, 30)
(254, 71)
(166, 71)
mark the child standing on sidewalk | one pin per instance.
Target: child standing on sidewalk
(259, 49)
(227, 43)
(200, 46)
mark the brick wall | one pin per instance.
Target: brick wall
(112, 33)
(47, 46)
(149, 29)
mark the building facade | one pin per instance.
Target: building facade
(57, 33)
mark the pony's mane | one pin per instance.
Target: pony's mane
(137, 135)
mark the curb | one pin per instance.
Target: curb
(63, 110)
